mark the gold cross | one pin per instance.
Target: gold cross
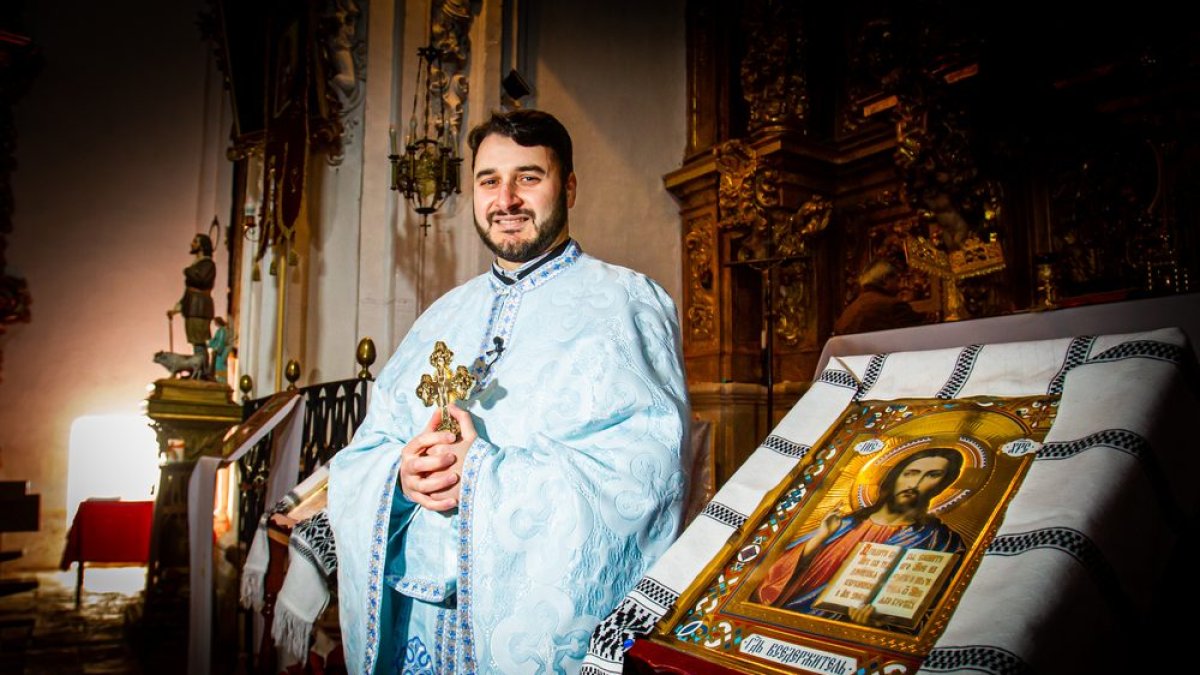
(444, 387)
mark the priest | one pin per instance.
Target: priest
(498, 546)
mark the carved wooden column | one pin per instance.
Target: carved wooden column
(750, 185)
(823, 137)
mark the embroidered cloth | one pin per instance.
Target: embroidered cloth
(1064, 569)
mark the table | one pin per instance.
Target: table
(108, 531)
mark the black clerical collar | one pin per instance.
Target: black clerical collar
(510, 277)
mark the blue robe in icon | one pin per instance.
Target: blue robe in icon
(572, 490)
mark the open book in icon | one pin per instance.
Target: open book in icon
(899, 583)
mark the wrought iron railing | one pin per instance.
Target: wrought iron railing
(253, 468)
(333, 411)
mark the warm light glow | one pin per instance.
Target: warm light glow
(111, 456)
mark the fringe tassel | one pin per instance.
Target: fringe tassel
(252, 591)
(254, 572)
(291, 633)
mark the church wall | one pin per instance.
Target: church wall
(324, 295)
(122, 159)
(423, 263)
(120, 162)
(614, 74)
(363, 258)
(333, 264)
(376, 302)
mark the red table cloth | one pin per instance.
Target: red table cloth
(109, 532)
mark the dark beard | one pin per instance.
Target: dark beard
(917, 506)
(547, 233)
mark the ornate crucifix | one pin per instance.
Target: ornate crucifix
(444, 386)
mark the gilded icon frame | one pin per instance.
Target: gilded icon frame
(719, 616)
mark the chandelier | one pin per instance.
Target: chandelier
(427, 172)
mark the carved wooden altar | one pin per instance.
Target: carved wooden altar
(997, 179)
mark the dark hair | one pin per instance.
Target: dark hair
(206, 246)
(528, 128)
(954, 462)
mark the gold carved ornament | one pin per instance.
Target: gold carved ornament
(737, 197)
(793, 241)
(700, 313)
(749, 204)
(975, 258)
(772, 72)
(444, 386)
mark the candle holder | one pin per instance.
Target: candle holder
(1047, 282)
(427, 172)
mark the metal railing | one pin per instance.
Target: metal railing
(333, 411)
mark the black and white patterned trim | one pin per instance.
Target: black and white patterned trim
(723, 514)
(657, 592)
(1142, 349)
(1077, 353)
(1118, 439)
(874, 367)
(1080, 547)
(785, 447)
(982, 658)
(838, 378)
(963, 365)
(1066, 539)
(1134, 445)
(312, 539)
(615, 634)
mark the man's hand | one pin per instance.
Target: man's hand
(864, 615)
(423, 473)
(458, 449)
(831, 523)
(431, 463)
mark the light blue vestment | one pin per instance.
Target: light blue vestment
(572, 490)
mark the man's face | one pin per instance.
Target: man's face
(195, 245)
(918, 483)
(521, 199)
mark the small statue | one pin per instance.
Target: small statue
(221, 344)
(1047, 281)
(192, 364)
(196, 305)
